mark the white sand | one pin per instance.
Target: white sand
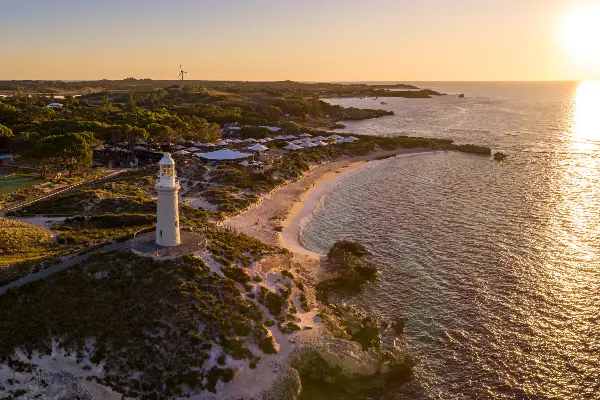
(287, 206)
(199, 202)
(58, 375)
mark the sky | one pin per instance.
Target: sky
(303, 40)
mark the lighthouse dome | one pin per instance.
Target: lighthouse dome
(167, 160)
(167, 172)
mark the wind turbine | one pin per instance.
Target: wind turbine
(181, 72)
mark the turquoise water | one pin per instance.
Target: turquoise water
(497, 267)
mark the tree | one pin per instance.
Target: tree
(40, 158)
(316, 105)
(5, 132)
(74, 150)
(8, 114)
(131, 134)
(124, 133)
(163, 133)
(272, 113)
(199, 130)
(131, 102)
(70, 100)
(71, 152)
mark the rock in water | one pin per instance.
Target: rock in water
(398, 326)
(346, 260)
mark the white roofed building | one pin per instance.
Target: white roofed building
(223, 155)
(258, 147)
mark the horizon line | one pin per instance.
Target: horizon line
(303, 81)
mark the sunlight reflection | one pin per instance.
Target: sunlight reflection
(587, 112)
(580, 185)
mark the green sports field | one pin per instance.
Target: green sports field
(9, 184)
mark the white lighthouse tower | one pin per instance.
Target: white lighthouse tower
(167, 213)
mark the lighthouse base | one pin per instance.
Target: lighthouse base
(145, 245)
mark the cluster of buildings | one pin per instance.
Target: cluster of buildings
(244, 151)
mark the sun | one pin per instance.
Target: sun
(581, 34)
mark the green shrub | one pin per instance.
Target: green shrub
(267, 345)
(236, 273)
(289, 327)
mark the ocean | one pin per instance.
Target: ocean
(496, 266)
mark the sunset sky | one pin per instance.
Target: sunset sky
(306, 40)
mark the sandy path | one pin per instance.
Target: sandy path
(288, 205)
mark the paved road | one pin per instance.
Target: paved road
(60, 191)
(61, 266)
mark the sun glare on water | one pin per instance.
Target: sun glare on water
(587, 111)
(581, 34)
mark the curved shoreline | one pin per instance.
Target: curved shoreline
(290, 237)
(276, 219)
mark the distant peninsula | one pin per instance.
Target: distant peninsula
(395, 86)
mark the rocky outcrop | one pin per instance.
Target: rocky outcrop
(473, 149)
(398, 326)
(347, 263)
(285, 386)
(344, 365)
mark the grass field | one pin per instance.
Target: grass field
(22, 244)
(12, 183)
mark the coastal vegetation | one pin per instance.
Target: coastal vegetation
(154, 323)
(71, 152)
(155, 329)
(96, 229)
(216, 90)
(21, 242)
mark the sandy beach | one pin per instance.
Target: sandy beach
(277, 218)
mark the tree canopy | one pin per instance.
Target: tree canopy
(71, 152)
(5, 132)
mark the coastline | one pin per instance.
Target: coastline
(277, 218)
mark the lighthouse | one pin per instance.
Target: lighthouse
(167, 211)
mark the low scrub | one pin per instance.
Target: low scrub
(151, 323)
(22, 247)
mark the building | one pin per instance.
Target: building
(6, 158)
(224, 155)
(167, 210)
